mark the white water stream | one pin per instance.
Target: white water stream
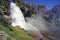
(18, 19)
(17, 16)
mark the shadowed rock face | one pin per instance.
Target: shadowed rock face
(56, 12)
(53, 22)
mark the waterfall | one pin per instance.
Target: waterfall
(17, 19)
(16, 16)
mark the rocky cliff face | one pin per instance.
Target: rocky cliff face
(52, 19)
(39, 16)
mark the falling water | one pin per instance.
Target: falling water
(18, 20)
(33, 24)
(17, 16)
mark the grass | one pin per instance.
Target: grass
(18, 35)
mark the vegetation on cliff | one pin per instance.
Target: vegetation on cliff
(5, 24)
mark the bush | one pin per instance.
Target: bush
(3, 21)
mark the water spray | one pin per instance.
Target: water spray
(18, 19)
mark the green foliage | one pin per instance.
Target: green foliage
(8, 38)
(3, 2)
(15, 34)
(3, 20)
(3, 23)
(21, 4)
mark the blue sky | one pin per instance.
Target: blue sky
(48, 3)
